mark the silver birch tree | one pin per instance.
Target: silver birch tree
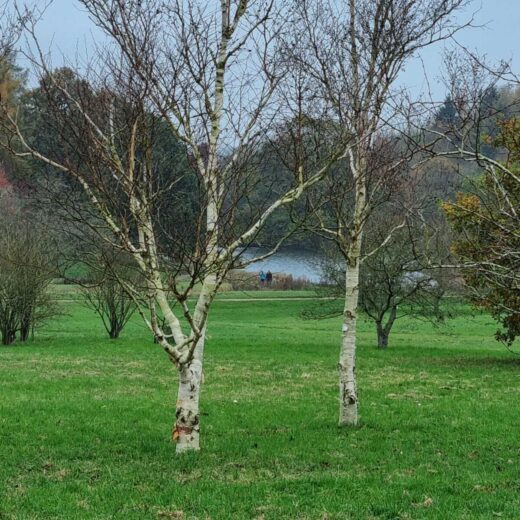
(355, 50)
(207, 73)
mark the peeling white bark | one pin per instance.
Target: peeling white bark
(187, 414)
(348, 399)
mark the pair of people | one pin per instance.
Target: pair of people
(265, 278)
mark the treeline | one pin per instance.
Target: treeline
(35, 181)
(394, 276)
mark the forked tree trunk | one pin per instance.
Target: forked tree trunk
(382, 336)
(383, 331)
(187, 415)
(348, 399)
(115, 328)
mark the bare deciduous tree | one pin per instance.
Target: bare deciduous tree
(355, 51)
(27, 267)
(206, 74)
(104, 291)
(393, 283)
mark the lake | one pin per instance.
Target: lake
(298, 262)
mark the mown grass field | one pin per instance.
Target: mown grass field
(85, 423)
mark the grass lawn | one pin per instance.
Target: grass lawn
(85, 423)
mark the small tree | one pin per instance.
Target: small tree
(487, 223)
(393, 283)
(26, 271)
(106, 295)
(484, 133)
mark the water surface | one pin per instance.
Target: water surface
(298, 262)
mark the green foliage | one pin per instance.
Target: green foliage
(12, 83)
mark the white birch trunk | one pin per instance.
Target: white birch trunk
(348, 399)
(187, 415)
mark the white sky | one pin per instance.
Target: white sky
(67, 31)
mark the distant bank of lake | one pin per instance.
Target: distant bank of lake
(298, 262)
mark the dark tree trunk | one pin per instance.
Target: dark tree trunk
(8, 336)
(382, 335)
(24, 334)
(382, 339)
(26, 321)
(116, 323)
(114, 332)
(383, 331)
(25, 330)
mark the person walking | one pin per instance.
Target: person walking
(262, 277)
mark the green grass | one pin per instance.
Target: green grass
(85, 423)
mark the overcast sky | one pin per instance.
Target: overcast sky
(67, 30)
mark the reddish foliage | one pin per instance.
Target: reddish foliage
(4, 181)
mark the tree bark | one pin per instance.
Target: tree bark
(115, 329)
(348, 399)
(382, 336)
(8, 334)
(25, 330)
(187, 415)
(25, 326)
(383, 332)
